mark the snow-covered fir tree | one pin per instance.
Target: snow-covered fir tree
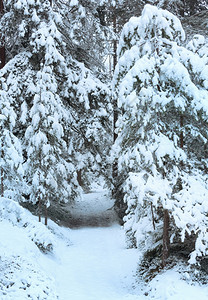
(162, 136)
(48, 164)
(11, 160)
(86, 92)
(40, 62)
(89, 101)
(34, 82)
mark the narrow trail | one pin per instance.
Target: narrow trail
(94, 209)
(96, 265)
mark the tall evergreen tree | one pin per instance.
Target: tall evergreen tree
(158, 84)
(34, 76)
(48, 164)
(41, 65)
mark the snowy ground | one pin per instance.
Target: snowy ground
(87, 263)
(94, 209)
(95, 266)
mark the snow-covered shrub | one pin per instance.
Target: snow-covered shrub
(20, 279)
(162, 92)
(18, 216)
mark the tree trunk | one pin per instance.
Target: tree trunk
(2, 173)
(181, 133)
(115, 109)
(2, 57)
(153, 218)
(1, 6)
(39, 208)
(46, 215)
(166, 241)
(79, 177)
(2, 47)
(2, 64)
(2, 183)
(114, 43)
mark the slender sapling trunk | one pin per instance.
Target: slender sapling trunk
(2, 64)
(166, 240)
(39, 208)
(2, 183)
(2, 41)
(115, 110)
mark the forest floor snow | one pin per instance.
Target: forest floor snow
(88, 262)
(96, 265)
(93, 209)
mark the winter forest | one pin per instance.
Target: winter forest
(103, 149)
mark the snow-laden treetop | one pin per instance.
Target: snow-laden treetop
(153, 23)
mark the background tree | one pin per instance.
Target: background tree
(11, 160)
(87, 92)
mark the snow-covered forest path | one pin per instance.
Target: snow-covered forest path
(96, 264)
(94, 209)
